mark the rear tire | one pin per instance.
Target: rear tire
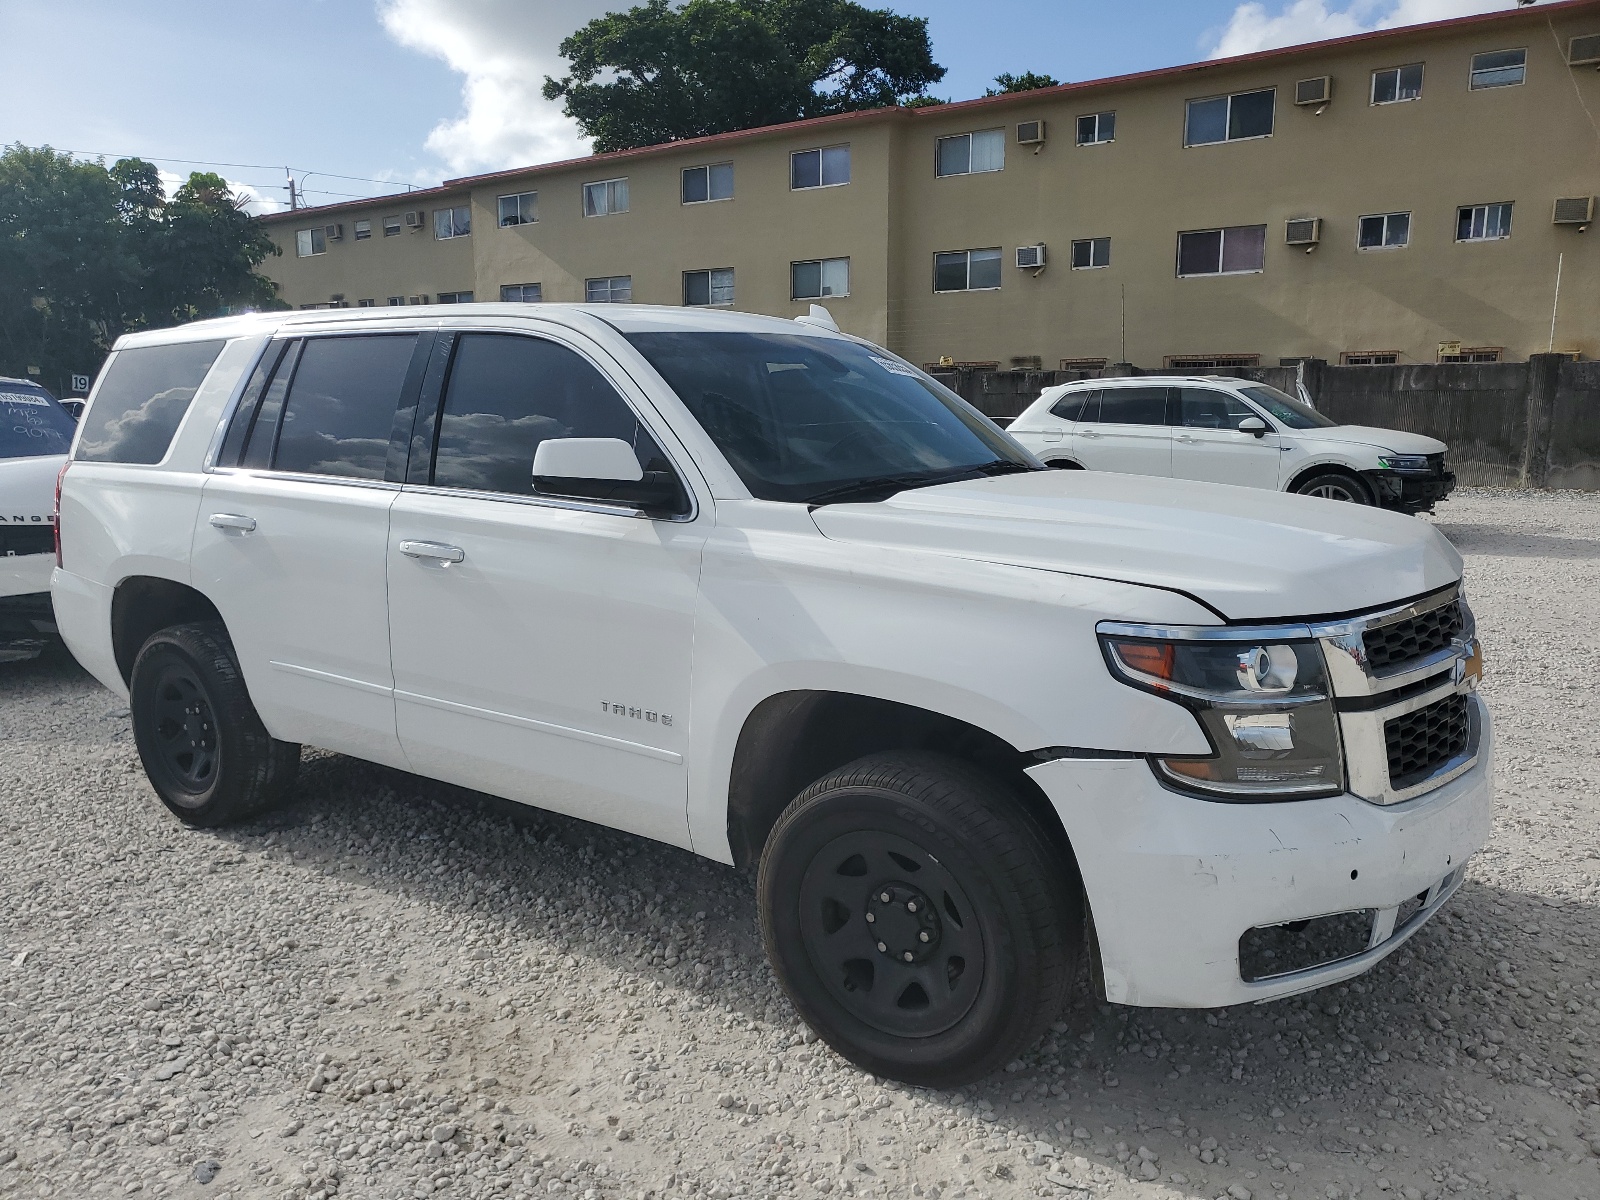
(1335, 485)
(203, 746)
(919, 918)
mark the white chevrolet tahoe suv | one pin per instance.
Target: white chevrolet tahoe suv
(765, 591)
(35, 434)
(1221, 430)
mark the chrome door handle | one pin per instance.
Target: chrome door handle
(1184, 437)
(434, 550)
(233, 521)
(1089, 433)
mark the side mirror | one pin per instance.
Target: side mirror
(1251, 425)
(603, 469)
(74, 409)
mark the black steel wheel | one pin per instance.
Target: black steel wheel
(1335, 485)
(920, 919)
(203, 746)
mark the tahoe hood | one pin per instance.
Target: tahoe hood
(1248, 553)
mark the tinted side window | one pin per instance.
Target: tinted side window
(1071, 406)
(340, 409)
(1205, 408)
(1133, 406)
(506, 394)
(245, 414)
(141, 401)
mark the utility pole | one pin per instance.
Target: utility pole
(294, 199)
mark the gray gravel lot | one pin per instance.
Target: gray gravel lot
(393, 989)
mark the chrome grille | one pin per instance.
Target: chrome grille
(1416, 637)
(1421, 742)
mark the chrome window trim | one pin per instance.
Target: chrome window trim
(588, 506)
(307, 477)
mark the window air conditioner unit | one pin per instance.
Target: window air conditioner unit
(1030, 133)
(1305, 231)
(333, 232)
(1314, 91)
(1584, 51)
(414, 220)
(1030, 258)
(1574, 210)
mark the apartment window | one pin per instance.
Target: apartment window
(452, 222)
(366, 303)
(827, 167)
(396, 301)
(1233, 118)
(1498, 68)
(1090, 253)
(1395, 84)
(1384, 231)
(708, 287)
(605, 198)
(521, 293)
(703, 184)
(1095, 128)
(613, 289)
(455, 297)
(1473, 354)
(363, 230)
(519, 209)
(391, 226)
(1369, 358)
(1238, 250)
(819, 278)
(1483, 223)
(971, 153)
(310, 241)
(967, 270)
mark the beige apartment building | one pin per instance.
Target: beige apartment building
(1404, 196)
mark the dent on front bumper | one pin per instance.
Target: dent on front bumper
(1174, 882)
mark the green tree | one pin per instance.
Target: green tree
(88, 253)
(1028, 81)
(657, 73)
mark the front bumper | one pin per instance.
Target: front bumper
(1173, 882)
(1411, 493)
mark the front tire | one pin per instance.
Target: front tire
(1335, 485)
(202, 744)
(919, 918)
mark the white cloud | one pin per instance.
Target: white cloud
(1254, 27)
(504, 48)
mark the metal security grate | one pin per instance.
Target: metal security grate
(1414, 638)
(1419, 743)
(27, 539)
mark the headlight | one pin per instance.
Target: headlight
(1266, 707)
(1404, 462)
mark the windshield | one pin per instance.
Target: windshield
(812, 419)
(32, 424)
(1286, 409)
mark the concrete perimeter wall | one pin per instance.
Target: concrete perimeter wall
(1528, 424)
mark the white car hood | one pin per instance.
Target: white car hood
(28, 488)
(1393, 440)
(1248, 553)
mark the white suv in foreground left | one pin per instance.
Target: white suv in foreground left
(761, 590)
(1221, 430)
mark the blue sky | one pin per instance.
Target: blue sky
(419, 90)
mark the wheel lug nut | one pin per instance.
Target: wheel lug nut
(882, 947)
(884, 896)
(871, 917)
(911, 906)
(923, 936)
(907, 956)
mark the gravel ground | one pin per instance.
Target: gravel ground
(393, 989)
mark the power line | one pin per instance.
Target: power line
(200, 162)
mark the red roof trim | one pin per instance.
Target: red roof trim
(1284, 53)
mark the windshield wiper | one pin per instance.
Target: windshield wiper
(883, 486)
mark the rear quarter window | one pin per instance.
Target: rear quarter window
(141, 400)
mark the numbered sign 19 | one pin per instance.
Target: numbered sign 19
(80, 383)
